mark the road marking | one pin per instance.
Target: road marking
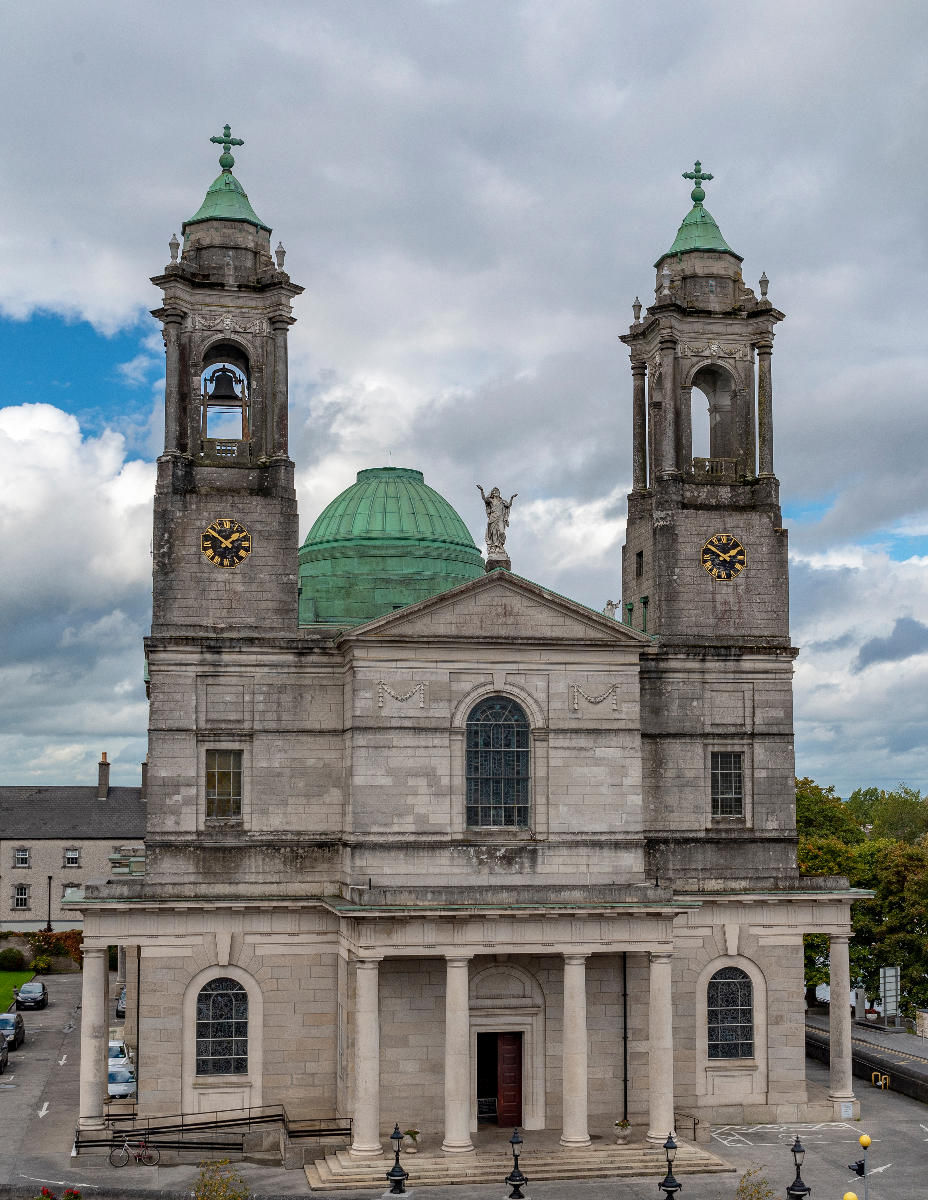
(877, 1170)
(924, 1128)
(60, 1182)
(43, 1110)
(62, 1060)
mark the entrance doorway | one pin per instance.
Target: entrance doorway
(499, 1078)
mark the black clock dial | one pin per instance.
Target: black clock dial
(723, 556)
(226, 543)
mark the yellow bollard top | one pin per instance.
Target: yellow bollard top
(850, 1196)
(864, 1140)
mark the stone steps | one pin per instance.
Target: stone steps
(340, 1172)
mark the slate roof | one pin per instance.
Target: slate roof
(32, 813)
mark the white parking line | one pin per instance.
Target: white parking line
(43, 1110)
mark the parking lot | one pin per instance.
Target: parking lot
(39, 1107)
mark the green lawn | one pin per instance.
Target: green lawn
(9, 980)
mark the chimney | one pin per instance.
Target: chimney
(103, 778)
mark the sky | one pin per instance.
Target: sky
(472, 192)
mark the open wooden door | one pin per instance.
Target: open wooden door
(509, 1079)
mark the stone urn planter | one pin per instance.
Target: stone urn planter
(623, 1132)
(411, 1141)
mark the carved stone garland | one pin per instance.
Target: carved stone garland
(384, 689)
(576, 691)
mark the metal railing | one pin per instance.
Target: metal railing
(188, 1131)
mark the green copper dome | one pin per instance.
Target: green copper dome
(226, 200)
(387, 541)
(698, 230)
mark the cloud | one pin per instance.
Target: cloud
(907, 638)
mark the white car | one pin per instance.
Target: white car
(121, 1083)
(119, 1055)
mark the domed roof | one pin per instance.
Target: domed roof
(387, 541)
(698, 230)
(226, 200)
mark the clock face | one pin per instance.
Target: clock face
(226, 543)
(723, 556)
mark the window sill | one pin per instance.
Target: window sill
(731, 1064)
(214, 1081)
(495, 833)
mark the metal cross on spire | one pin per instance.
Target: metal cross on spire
(698, 176)
(227, 141)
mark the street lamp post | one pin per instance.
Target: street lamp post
(668, 1185)
(396, 1175)
(797, 1190)
(48, 923)
(515, 1179)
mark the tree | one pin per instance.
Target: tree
(821, 813)
(901, 814)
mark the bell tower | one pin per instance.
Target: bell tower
(225, 523)
(705, 555)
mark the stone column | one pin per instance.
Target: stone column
(840, 1089)
(660, 1051)
(94, 1037)
(457, 1057)
(639, 428)
(764, 409)
(120, 965)
(575, 1132)
(686, 429)
(281, 388)
(172, 322)
(366, 1126)
(669, 431)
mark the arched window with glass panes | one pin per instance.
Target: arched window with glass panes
(222, 1028)
(498, 765)
(730, 1005)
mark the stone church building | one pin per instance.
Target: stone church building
(433, 844)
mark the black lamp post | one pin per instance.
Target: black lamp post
(515, 1178)
(797, 1190)
(48, 923)
(396, 1175)
(668, 1185)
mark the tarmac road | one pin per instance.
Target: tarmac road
(39, 1105)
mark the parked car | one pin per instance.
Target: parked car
(32, 995)
(119, 1055)
(4, 1054)
(12, 1024)
(121, 1082)
(121, 1004)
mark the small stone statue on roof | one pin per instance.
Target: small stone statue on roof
(497, 523)
(609, 610)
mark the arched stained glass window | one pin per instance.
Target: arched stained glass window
(730, 1003)
(497, 764)
(222, 1028)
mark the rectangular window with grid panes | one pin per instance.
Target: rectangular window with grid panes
(21, 895)
(727, 770)
(72, 857)
(21, 856)
(224, 784)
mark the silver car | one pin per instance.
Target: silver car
(121, 1083)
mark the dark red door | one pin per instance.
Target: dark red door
(509, 1079)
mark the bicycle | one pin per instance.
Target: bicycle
(140, 1151)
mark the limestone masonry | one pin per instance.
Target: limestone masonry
(438, 845)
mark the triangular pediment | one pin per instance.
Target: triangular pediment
(500, 607)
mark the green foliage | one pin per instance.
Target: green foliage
(219, 1181)
(9, 980)
(60, 941)
(754, 1186)
(820, 813)
(862, 803)
(41, 964)
(902, 814)
(12, 959)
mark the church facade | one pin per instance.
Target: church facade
(429, 843)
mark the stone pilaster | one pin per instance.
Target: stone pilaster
(639, 428)
(765, 408)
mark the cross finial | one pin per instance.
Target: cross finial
(698, 176)
(227, 141)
